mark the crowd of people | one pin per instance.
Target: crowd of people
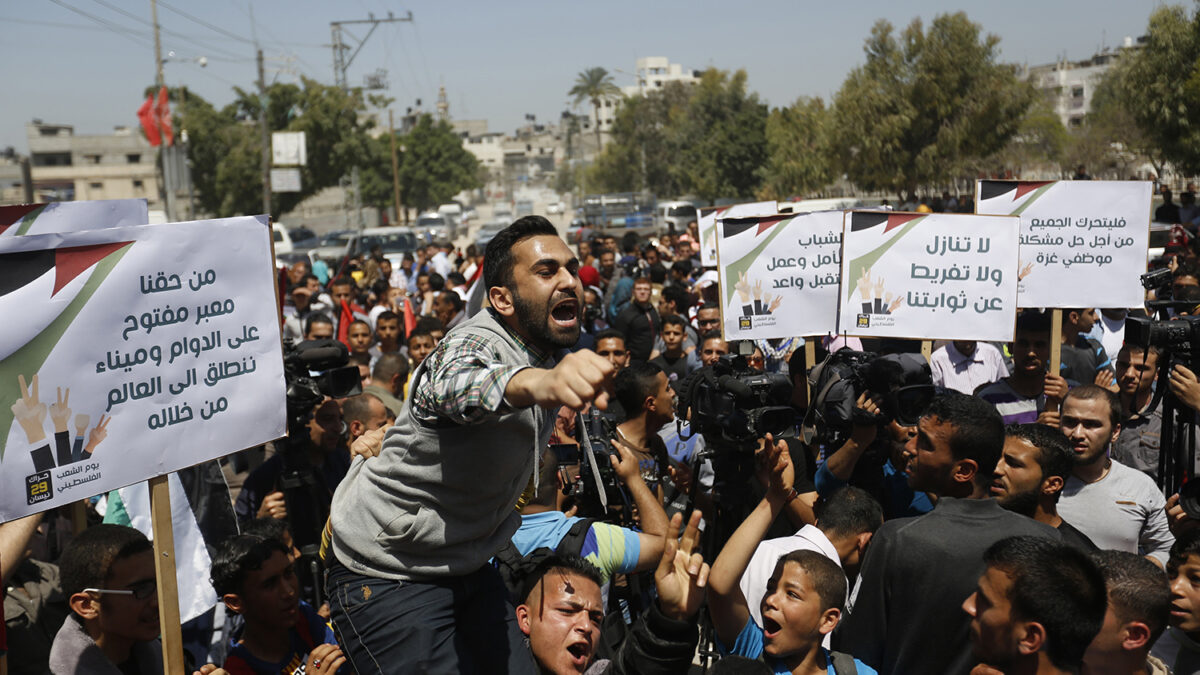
(1017, 526)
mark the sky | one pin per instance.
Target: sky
(86, 62)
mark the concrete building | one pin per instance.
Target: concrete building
(1070, 85)
(66, 166)
(652, 73)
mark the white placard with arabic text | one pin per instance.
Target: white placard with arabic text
(1083, 242)
(140, 351)
(779, 274)
(929, 276)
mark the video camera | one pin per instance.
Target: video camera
(733, 405)
(902, 381)
(595, 431)
(313, 370)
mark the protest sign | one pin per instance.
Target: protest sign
(707, 224)
(779, 274)
(26, 219)
(929, 276)
(1083, 242)
(133, 352)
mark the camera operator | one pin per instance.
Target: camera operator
(323, 450)
(413, 529)
(882, 473)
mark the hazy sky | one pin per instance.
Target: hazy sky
(497, 60)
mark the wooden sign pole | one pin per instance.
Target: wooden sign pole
(1055, 351)
(78, 516)
(810, 360)
(927, 349)
(164, 570)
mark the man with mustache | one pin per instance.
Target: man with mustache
(410, 586)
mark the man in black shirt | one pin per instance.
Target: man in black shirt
(925, 567)
(639, 322)
(673, 360)
(1030, 476)
(1169, 211)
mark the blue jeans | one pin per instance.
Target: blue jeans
(453, 625)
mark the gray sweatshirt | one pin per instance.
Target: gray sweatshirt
(439, 499)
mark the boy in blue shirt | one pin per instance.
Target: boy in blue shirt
(255, 578)
(805, 595)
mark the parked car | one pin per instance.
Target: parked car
(433, 227)
(554, 208)
(489, 230)
(332, 246)
(283, 241)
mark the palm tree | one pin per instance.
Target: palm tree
(594, 84)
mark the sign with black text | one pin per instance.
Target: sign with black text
(1083, 242)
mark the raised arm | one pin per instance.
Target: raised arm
(726, 603)
(650, 511)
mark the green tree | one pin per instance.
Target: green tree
(1146, 101)
(594, 85)
(434, 167)
(1040, 142)
(640, 153)
(719, 141)
(797, 149)
(225, 145)
(924, 104)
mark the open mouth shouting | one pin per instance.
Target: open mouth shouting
(581, 654)
(564, 314)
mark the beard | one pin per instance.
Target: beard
(535, 322)
(1024, 503)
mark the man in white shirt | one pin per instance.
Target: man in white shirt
(966, 365)
(1117, 507)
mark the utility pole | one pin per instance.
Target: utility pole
(266, 136)
(158, 62)
(341, 63)
(395, 168)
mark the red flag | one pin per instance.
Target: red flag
(147, 117)
(345, 318)
(163, 112)
(410, 318)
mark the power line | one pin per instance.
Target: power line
(54, 24)
(424, 63)
(177, 34)
(114, 27)
(202, 22)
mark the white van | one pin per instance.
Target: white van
(283, 241)
(675, 216)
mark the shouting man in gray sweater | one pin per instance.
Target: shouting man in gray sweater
(410, 588)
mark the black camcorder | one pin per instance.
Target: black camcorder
(314, 369)
(734, 405)
(903, 382)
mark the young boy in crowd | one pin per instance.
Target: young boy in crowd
(108, 577)
(805, 597)
(1179, 647)
(255, 578)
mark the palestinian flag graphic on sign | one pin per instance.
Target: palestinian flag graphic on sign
(41, 294)
(890, 228)
(746, 234)
(1010, 197)
(19, 218)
